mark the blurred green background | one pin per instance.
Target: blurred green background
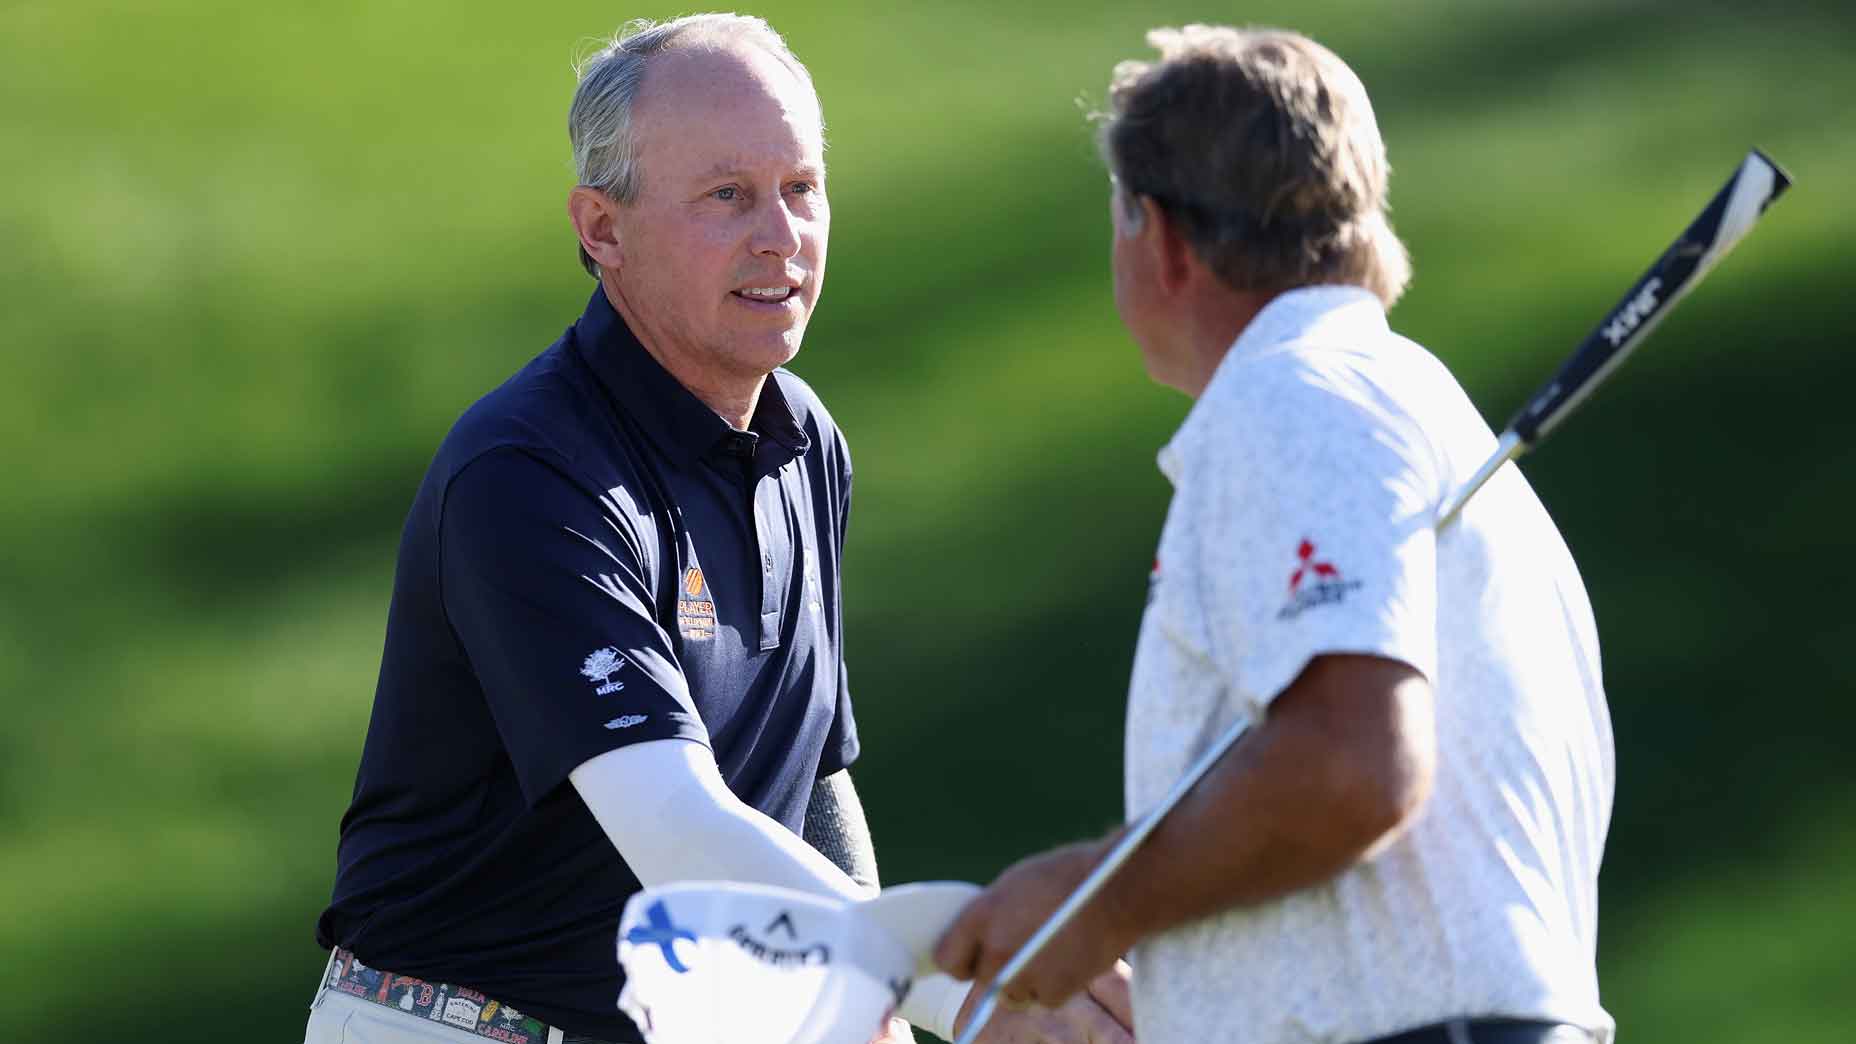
(257, 257)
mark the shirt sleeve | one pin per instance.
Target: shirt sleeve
(1313, 505)
(547, 593)
(841, 743)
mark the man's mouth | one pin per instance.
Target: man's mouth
(765, 293)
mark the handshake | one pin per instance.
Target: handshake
(732, 963)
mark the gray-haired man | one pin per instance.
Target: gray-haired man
(1405, 847)
(614, 653)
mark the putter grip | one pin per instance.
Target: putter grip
(1723, 223)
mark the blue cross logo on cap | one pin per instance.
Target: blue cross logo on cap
(661, 934)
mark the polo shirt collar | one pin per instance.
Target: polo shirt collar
(1350, 315)
(682, 426)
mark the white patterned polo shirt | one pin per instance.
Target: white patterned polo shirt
(1308, 478)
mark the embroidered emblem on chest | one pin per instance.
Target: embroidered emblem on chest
(695, 606)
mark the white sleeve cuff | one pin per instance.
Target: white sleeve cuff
(933, 1002)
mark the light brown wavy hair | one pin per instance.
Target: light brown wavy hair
(1262, 146)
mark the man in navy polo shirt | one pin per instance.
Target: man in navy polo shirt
(613, 655)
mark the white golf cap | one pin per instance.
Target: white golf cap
(721, 962)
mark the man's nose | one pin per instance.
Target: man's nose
(777, 229)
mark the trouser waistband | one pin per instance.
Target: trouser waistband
(441, 1003)
(1490, 1031)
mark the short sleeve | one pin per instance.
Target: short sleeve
(841, 743)
(548, 596)
(1313, 504)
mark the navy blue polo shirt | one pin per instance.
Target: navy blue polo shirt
(594, 559)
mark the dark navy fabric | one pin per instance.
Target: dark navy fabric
(594, 559)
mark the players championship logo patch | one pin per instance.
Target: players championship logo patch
(695, 606)
(1313, 583)
(599, 667)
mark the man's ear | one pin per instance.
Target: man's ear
(1173, 256)
(595, 217)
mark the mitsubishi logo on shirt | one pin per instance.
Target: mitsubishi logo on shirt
(1322, 570)
(1314, 582)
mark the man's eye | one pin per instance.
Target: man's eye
(727, 193)
(803, 187)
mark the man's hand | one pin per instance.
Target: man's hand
(993, 927)
(1101, 1015)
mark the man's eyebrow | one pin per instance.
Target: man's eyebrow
(731, 169)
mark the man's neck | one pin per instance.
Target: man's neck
(732, 399)
(734, 402)
(1213, 324)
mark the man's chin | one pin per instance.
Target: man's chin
(767, 352)
(787, 344)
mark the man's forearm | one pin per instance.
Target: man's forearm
(1327, 778)
(666, 809)
(836, 826)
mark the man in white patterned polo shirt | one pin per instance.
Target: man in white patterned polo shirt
(1405, 847)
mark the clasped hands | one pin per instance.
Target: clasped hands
(1076, 990)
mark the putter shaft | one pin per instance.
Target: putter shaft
(1098, 877)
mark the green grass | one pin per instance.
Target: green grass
(261, 256)
(1687, 965)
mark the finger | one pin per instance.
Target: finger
(1018, 993)
(1097, 1026)
(958, 952)
(1055, 977)
(1111, 990)
(1015, 1001)
(989, 961)
(1107, 1031)
(959, 958)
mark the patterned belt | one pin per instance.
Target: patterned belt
(456, 1006)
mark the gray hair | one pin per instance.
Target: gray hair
(599, 121)
(1261, 145)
